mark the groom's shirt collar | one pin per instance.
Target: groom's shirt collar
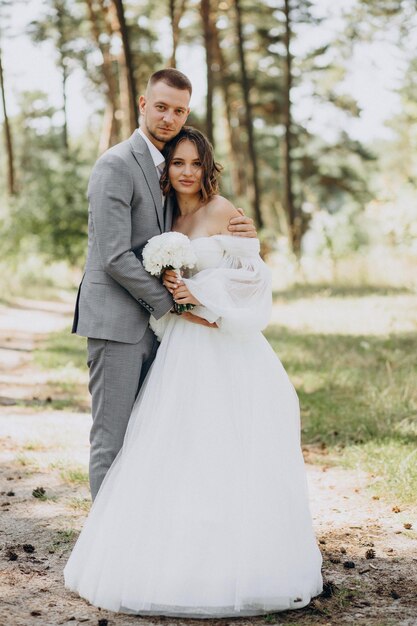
(157, 157)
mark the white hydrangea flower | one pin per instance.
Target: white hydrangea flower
(169, 250)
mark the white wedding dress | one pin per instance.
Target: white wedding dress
(204, 513)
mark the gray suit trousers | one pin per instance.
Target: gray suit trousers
(117, 371)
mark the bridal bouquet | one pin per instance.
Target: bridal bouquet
(169, 251)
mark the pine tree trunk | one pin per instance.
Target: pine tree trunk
(205, 10)
(64, 71)
(111, 127)
(256, 200)
(293, 217)
(64, 78)
(237, 170)
(110, 130)
(127, 67)
(175, 15)
(11, 182)
(174, 33)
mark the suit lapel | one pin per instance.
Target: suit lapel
(143, 157)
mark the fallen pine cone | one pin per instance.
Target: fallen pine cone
(27, 547)
(408, 526)
(348, 564)
(396, 509)
(12, 556)
(370, 554)
(39, 492)
(329, 589)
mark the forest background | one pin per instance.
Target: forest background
(311, 105)
(312, 110)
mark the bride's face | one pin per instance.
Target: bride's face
(185, 170)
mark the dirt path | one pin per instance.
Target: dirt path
(42, 449)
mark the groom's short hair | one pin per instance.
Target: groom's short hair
(172, 78)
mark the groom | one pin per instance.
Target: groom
(117, 296)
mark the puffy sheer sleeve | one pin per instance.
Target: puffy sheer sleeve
(237, 294)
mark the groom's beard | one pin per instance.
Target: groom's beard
(163, 138)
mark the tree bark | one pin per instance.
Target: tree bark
(64, 78)
(11, 181)
(133, 110)
(237, 171)
(175, 15)
(205, 10)
(60, 8)
(294, 221)
(256, 199)
(172, 15)
(111, 126)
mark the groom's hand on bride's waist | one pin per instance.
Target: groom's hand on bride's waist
(242, 226)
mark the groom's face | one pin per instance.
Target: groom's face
(164, 111)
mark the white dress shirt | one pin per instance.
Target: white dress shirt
(157, 157)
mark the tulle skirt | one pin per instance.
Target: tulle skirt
(204, 513)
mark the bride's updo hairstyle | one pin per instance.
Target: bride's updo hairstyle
(210, 169)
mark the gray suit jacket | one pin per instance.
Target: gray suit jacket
(117, 295)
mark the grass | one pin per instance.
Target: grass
(64, 355)
(358, 398)
(71, 474)
(28, 462)
(75, 476)
(80, 504)
(62, 350)
(62, 540)
(392, 463)
(36, 446)
(297, 291)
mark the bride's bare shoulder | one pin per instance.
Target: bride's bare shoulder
(220, 211)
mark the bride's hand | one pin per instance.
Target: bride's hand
(170, 280)
(183, 296)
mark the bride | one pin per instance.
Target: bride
(204, 512)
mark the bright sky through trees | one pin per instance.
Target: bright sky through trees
(375, 72)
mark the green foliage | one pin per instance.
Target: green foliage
(62, 23)
(327, 173)
(51, 208)
(336, 234)
(332, 172)
(358, 399)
